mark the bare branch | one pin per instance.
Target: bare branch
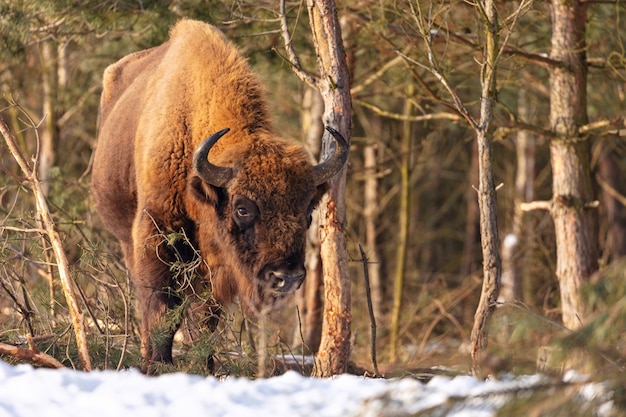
(23, 230)
(292, 58)
(536, 205)
(373, 77)
(542, 60)
(407, 118)
(516, 126)
(601, 125)
(30, 355)
(611, 191)
(426, 34)
(458, 103)
(513, 18)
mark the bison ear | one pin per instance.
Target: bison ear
(204, 192)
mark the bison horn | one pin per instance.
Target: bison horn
(326, 169)
(212, 174)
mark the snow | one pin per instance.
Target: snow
(27, 391)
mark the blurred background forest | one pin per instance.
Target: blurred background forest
(412, 175)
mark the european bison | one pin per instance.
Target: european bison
(239, 201)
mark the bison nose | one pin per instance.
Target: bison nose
(286, 282)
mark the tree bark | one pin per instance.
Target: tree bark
(573, 195)
(334, 85)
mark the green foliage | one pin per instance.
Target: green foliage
(602, 339)
(523, 337)
(555, 400)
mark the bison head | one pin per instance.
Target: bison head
(263, 206)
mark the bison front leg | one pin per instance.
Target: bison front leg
(161, 318)
(201, 320)
(159, 302)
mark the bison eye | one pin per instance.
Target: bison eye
(245, 211)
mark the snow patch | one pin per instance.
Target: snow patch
(26, 391)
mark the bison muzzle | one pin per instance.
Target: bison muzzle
(186, 149)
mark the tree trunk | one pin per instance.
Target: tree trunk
(483, 128)
(403, 228)
(613, 205)
(573, 195)
(486, 190)
(512, 269)
(334, 85)
(523, 226)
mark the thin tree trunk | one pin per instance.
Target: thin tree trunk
(512, 276)
(47, 147)
(486, 187)
(486, 190)
(403, 228)
(334, 85)
(370, 217)
(573, 196)
(525, 191)
(472, 219)
(613, 205)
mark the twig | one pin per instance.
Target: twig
(368, 295)
(301, 337)
(262, 351)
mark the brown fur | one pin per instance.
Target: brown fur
(157, 106)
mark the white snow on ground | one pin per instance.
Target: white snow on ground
(26, 391)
